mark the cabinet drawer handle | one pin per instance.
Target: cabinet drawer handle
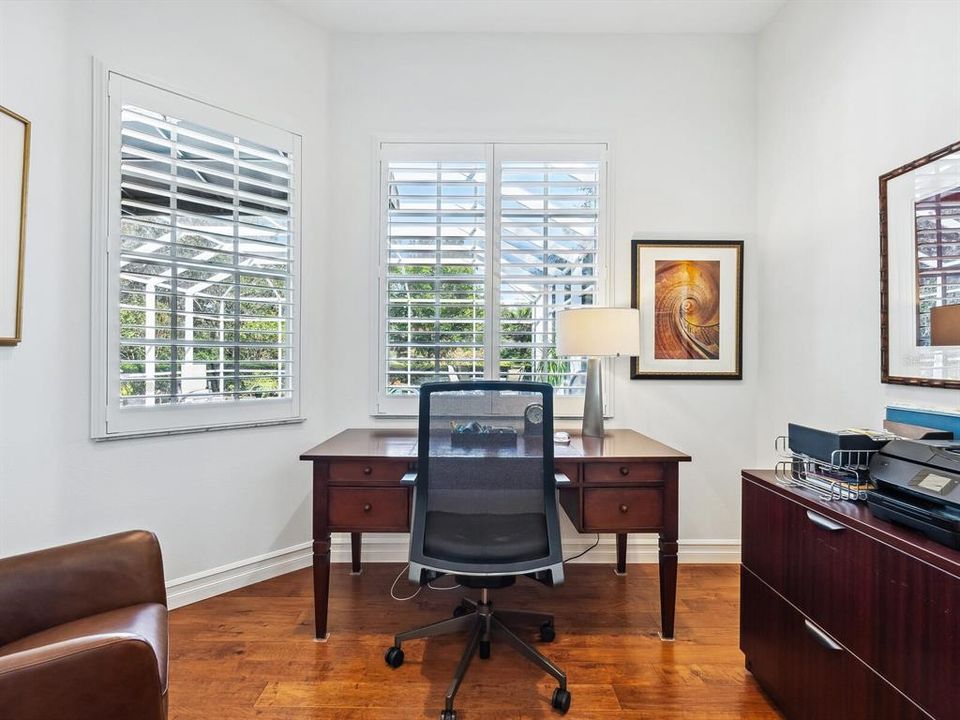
(367, 507)
(822, 522)
(624, 470)
(624, 508)
(367, 470)
(821, 637)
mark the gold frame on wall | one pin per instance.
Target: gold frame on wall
(22, 240)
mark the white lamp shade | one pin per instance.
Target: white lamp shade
(598, 331)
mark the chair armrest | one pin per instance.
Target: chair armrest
(42, 589)
(102, 676)
(561, 479)
(409, 478)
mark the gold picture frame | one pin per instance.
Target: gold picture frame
(14, 178)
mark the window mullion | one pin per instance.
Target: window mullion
(491, 325)
(236, 265)
(174, 271)
(437, 269)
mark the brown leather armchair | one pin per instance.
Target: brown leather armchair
(83, 631)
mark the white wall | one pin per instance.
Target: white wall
(679, 112)
(216, 498)
(728, 135)
(846, 92)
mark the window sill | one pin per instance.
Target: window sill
(193, 430)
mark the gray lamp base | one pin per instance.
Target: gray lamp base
(593, 401)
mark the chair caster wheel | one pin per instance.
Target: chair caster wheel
(394, 657)
(547, 632)
(448, 715)
(484, 649)
(561, 700)
(460, 611)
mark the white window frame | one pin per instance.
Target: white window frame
(109, 419)
(495, 150)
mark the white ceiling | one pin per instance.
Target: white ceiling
(537, 16)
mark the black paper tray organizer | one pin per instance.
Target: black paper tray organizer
(836, 466)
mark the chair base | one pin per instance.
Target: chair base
(479, 618)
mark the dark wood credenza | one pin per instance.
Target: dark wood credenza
(623, 483)
(844, 615)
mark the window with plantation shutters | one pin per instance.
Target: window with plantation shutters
(435, 282)
(549, 237)
(202, 292)
(481, 245)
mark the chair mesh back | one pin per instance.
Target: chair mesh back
(486, 452)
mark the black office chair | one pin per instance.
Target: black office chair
(485, 511)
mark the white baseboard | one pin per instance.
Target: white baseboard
(208, 583)
(384, 547)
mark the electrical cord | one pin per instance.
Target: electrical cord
(584, 552)
(452, 587)
(393, 587)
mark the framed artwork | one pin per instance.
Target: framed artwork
(14, 165)
(690, 297)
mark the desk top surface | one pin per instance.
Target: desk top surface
(401, 443)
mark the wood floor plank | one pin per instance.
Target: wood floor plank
(250, 654)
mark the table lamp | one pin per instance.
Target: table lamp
(945, 325)
(597, 332)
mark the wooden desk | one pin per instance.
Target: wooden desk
(624, 483)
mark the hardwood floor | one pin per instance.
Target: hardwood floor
(251, 653)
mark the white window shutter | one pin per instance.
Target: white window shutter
(203, 268)
(549, 244)
(434, 279)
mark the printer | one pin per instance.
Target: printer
(918, 485)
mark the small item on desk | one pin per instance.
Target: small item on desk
(828, 445)
(473, 434)
(834, 464)
(561, 438)
(916, 432)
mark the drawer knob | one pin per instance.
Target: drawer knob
(624, 508)
(367, 507)
(624, 470)
(367, 470)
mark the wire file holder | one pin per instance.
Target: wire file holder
(845, 477)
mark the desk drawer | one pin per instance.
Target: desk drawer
(630, 473)
(369, 509)
(374, 471)
(893, 611)
(571, 470)
(808, 673)
(619, 510)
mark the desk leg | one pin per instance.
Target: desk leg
(356, 542)
(668, 554)
(321, 586)
(621, 554)
(321, 550)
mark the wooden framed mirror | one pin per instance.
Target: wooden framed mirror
(920, 271)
